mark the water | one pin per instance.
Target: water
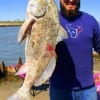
(10, 50)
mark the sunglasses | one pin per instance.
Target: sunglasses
(73, 2)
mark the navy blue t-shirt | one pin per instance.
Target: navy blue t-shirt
(74, 67)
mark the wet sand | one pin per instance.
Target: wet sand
(11, 83)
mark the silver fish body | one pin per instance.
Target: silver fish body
(42, 31)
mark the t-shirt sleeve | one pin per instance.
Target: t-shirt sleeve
(96, 37)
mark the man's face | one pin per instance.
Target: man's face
(69, 8)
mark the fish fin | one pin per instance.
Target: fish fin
(22, 70)
(62, 34)
(25, 29)
(20, 95)
(46, 74)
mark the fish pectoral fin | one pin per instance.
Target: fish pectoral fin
(47, 73)
(22, 70)
(25, 29)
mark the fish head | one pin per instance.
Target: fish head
(37, 8)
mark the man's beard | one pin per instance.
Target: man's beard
(70, 14)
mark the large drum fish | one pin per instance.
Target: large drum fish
(42, 31)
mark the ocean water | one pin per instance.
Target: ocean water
(10, 49)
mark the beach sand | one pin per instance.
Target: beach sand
(11, 83)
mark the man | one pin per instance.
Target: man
(73, 76)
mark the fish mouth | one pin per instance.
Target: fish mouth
(25, 29)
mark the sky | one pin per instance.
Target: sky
(16, 9)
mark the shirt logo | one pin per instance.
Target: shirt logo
(73, 31)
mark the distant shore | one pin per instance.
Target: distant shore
(10, 23)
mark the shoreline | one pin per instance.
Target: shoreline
(10, 23)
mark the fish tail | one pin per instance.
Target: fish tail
(21, 94)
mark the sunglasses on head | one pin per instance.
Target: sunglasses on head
(73, 2)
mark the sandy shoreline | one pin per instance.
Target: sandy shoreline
(10, 84)
(10, 23)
